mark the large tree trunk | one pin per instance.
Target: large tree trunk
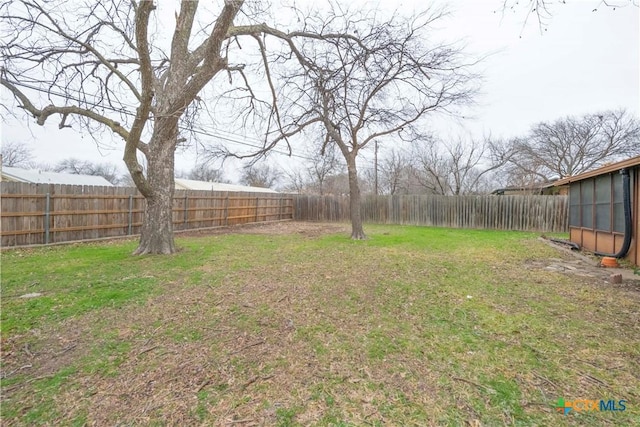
(157, 226)
(357, 233)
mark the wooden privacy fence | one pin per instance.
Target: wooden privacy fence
(46, 213)
(523, 213)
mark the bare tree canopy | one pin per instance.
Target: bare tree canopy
(16, 155)
(458, 167)
(208, 173)
(318, 174)
(260, 175)
(108, 65)
(573, 145)
(108, 171)
(383, 83)
(394, 173)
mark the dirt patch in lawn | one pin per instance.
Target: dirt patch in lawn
(309, 229)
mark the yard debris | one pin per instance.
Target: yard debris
(254, 379)
(615, 278)
(68, 348)
(146, 350)
(241, 349)
(8, 375)
(27, 351)
(480, 386)
(31, 295)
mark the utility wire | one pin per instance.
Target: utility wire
(210, 133)
(231, 137)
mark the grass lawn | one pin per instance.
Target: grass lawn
(415, 326)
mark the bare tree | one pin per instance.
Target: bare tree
(100, 66)
(260, 175)
(313, 175)
(394, 173)
(295, 181)
(336, 185)
(324, 163)
(71, 165)
(206, 172)
(383, 83)
(16, 155)
(431, 168)
(573, 145)
(460, 167)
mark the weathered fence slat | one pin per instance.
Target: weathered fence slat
(47, 214)
(130, 215)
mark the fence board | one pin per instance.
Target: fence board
(88, 212)
(522, 213)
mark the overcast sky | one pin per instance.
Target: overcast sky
(585, 61)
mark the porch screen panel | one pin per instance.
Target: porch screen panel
(574, 205)
(586, 200)
(618, 205)
(603, 202)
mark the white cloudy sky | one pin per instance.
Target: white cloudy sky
(584, 62)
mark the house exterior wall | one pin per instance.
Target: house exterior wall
(608, 241)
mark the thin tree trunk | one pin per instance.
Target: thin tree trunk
(357, 233)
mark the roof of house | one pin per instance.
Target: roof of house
(189, 184)
(613, 167)
(532, 187)
(44, 177)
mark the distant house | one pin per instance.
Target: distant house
(12, 174)
(604, 209)
(189, 184)
(545, 189)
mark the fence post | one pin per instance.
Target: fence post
(226, 210)
(186, 211)
(130, 218)
(47, 216)
(294, 206)
(257, 204)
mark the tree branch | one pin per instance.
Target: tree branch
(58, 30)
(132, 144)
(42, 115)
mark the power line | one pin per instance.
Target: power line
(209, 133)
(204, 132)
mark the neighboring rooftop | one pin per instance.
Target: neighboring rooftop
(537, 187)
(42, 177)
(613, 167)
(189, 184)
